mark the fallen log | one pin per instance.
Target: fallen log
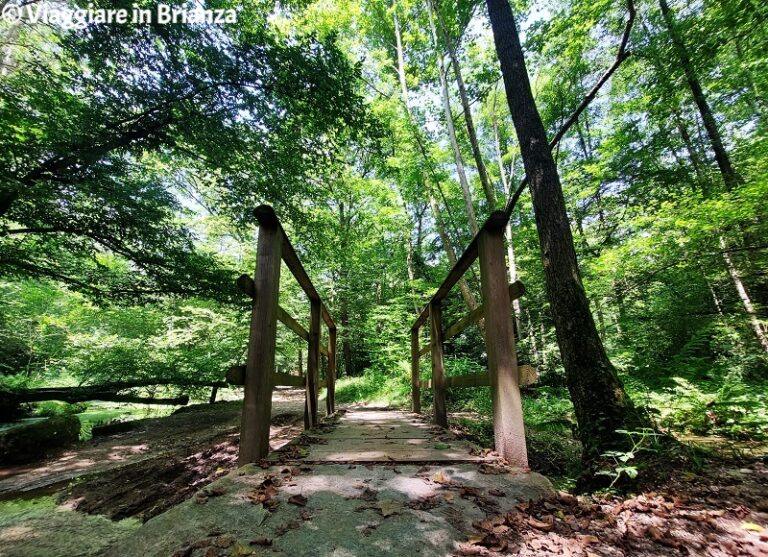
(108, 391)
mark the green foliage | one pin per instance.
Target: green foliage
(624, 461)
(132, 157)
(52, 408)
(729, 408)
(375, 388)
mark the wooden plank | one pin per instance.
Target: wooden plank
(527, 375)
(291, 323)
(328, 319)
(287, 380)
(472, 317)
(247, 286)
(509, 433)
(236, 375)
(415, 389)
(482, 379)
(516, 290)
(458, 270)
(257, 401)
(313, 361)
(438, 370)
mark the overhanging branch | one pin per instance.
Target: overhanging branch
(621, 55)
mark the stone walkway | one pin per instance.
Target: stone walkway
(371, 483)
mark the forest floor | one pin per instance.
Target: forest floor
(719, 509)
(156, 464)
(716, 506)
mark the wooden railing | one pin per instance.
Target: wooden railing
(259, 375)
(503, 376)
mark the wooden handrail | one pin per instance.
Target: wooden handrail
(503, 376)
(258, 375)
(266, 216)
(526, 375)
(248, 287)
(497, 220)
(516, 290)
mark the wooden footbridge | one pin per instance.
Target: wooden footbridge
(386, 436)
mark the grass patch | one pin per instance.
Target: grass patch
(374, 388)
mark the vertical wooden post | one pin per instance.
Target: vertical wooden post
(331, 375)
(415, 389)
(257, 402)
(509, 433)
(307, 425)
(438, 371)
(313, 360)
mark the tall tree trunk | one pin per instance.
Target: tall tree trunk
(600, 402)
(485, 180)
(450, 252)
(346, 342)
(730, 177)
(532, 336)
(457, 158)
(401, 61)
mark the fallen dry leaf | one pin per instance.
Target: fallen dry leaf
(540, 525)
(440, 478)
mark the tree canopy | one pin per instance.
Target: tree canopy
(380, 130)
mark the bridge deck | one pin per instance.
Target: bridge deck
(388, 436)
(370, 484)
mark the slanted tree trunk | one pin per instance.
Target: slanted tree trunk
(749, 308)
(457, 158)
(466, 293)
(730, 177)
(600, 402)
(485, 180)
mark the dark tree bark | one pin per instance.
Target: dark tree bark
(730, 177)
(598, 396)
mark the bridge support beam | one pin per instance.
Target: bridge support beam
(438, 369)
(330, 380)
(313, 360)
(415, 388)
(257, 402)
(508, 429)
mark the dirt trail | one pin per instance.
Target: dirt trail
(196, 444)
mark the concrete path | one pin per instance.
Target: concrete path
(371, 483)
